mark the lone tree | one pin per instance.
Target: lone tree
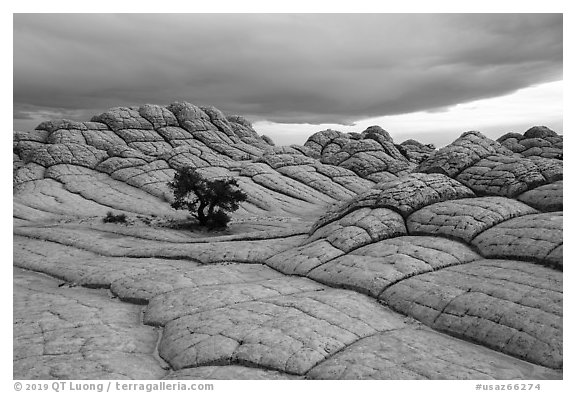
(207, 200)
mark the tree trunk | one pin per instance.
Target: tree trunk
(201, 216)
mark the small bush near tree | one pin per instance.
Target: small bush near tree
(115, 218)
(208, 201)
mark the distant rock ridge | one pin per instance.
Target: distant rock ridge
(539, 141)
(371, 155)
(349, 245)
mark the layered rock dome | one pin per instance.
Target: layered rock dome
(353, 257)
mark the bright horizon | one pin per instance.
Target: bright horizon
(516, 112)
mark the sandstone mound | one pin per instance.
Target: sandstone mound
(353, 257)
(415, 151)
(371, 155)
(489, 168)
(538, 141)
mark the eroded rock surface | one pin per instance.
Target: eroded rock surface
(500, 304)
(372, 155)
(537, 141)
(489, 168)
(62, 332)
(420, 353)
(353, 257)
(536, 237)
(287, 333)
(415, 151)
(464, 219)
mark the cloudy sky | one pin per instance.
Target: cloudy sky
(428, 76)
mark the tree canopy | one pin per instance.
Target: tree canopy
(208, 201)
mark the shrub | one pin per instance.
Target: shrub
(219, 219)
(207, 200)
(115, 218)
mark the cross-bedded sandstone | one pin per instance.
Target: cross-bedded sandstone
(103, 139)
(252, 251)
(415, 151)
(511, 306)
(373, 268)
(344, 211)
(502, 175)
(27, 172)
(70, 153)
(372, 155)
(39, 197)
(361, 227)
(72, 333)
(538, 141)
(489, 168)
(135, 279)
(464, 152)
(289, 333)
(465, 218)
(106, 191)
(404, 195)
(191, 300)
(302, 259)
(548, 197)
(420, 353)
(37, 135)
(123, 118)
(535, 237)
(551, 169)
(158, 116)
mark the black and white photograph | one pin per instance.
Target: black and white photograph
(287, 196)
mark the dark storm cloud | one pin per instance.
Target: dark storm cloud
(284, 68)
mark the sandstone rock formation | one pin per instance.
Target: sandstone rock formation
(538, 141)
(353, 258)
(415, 151)
(372, 155)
